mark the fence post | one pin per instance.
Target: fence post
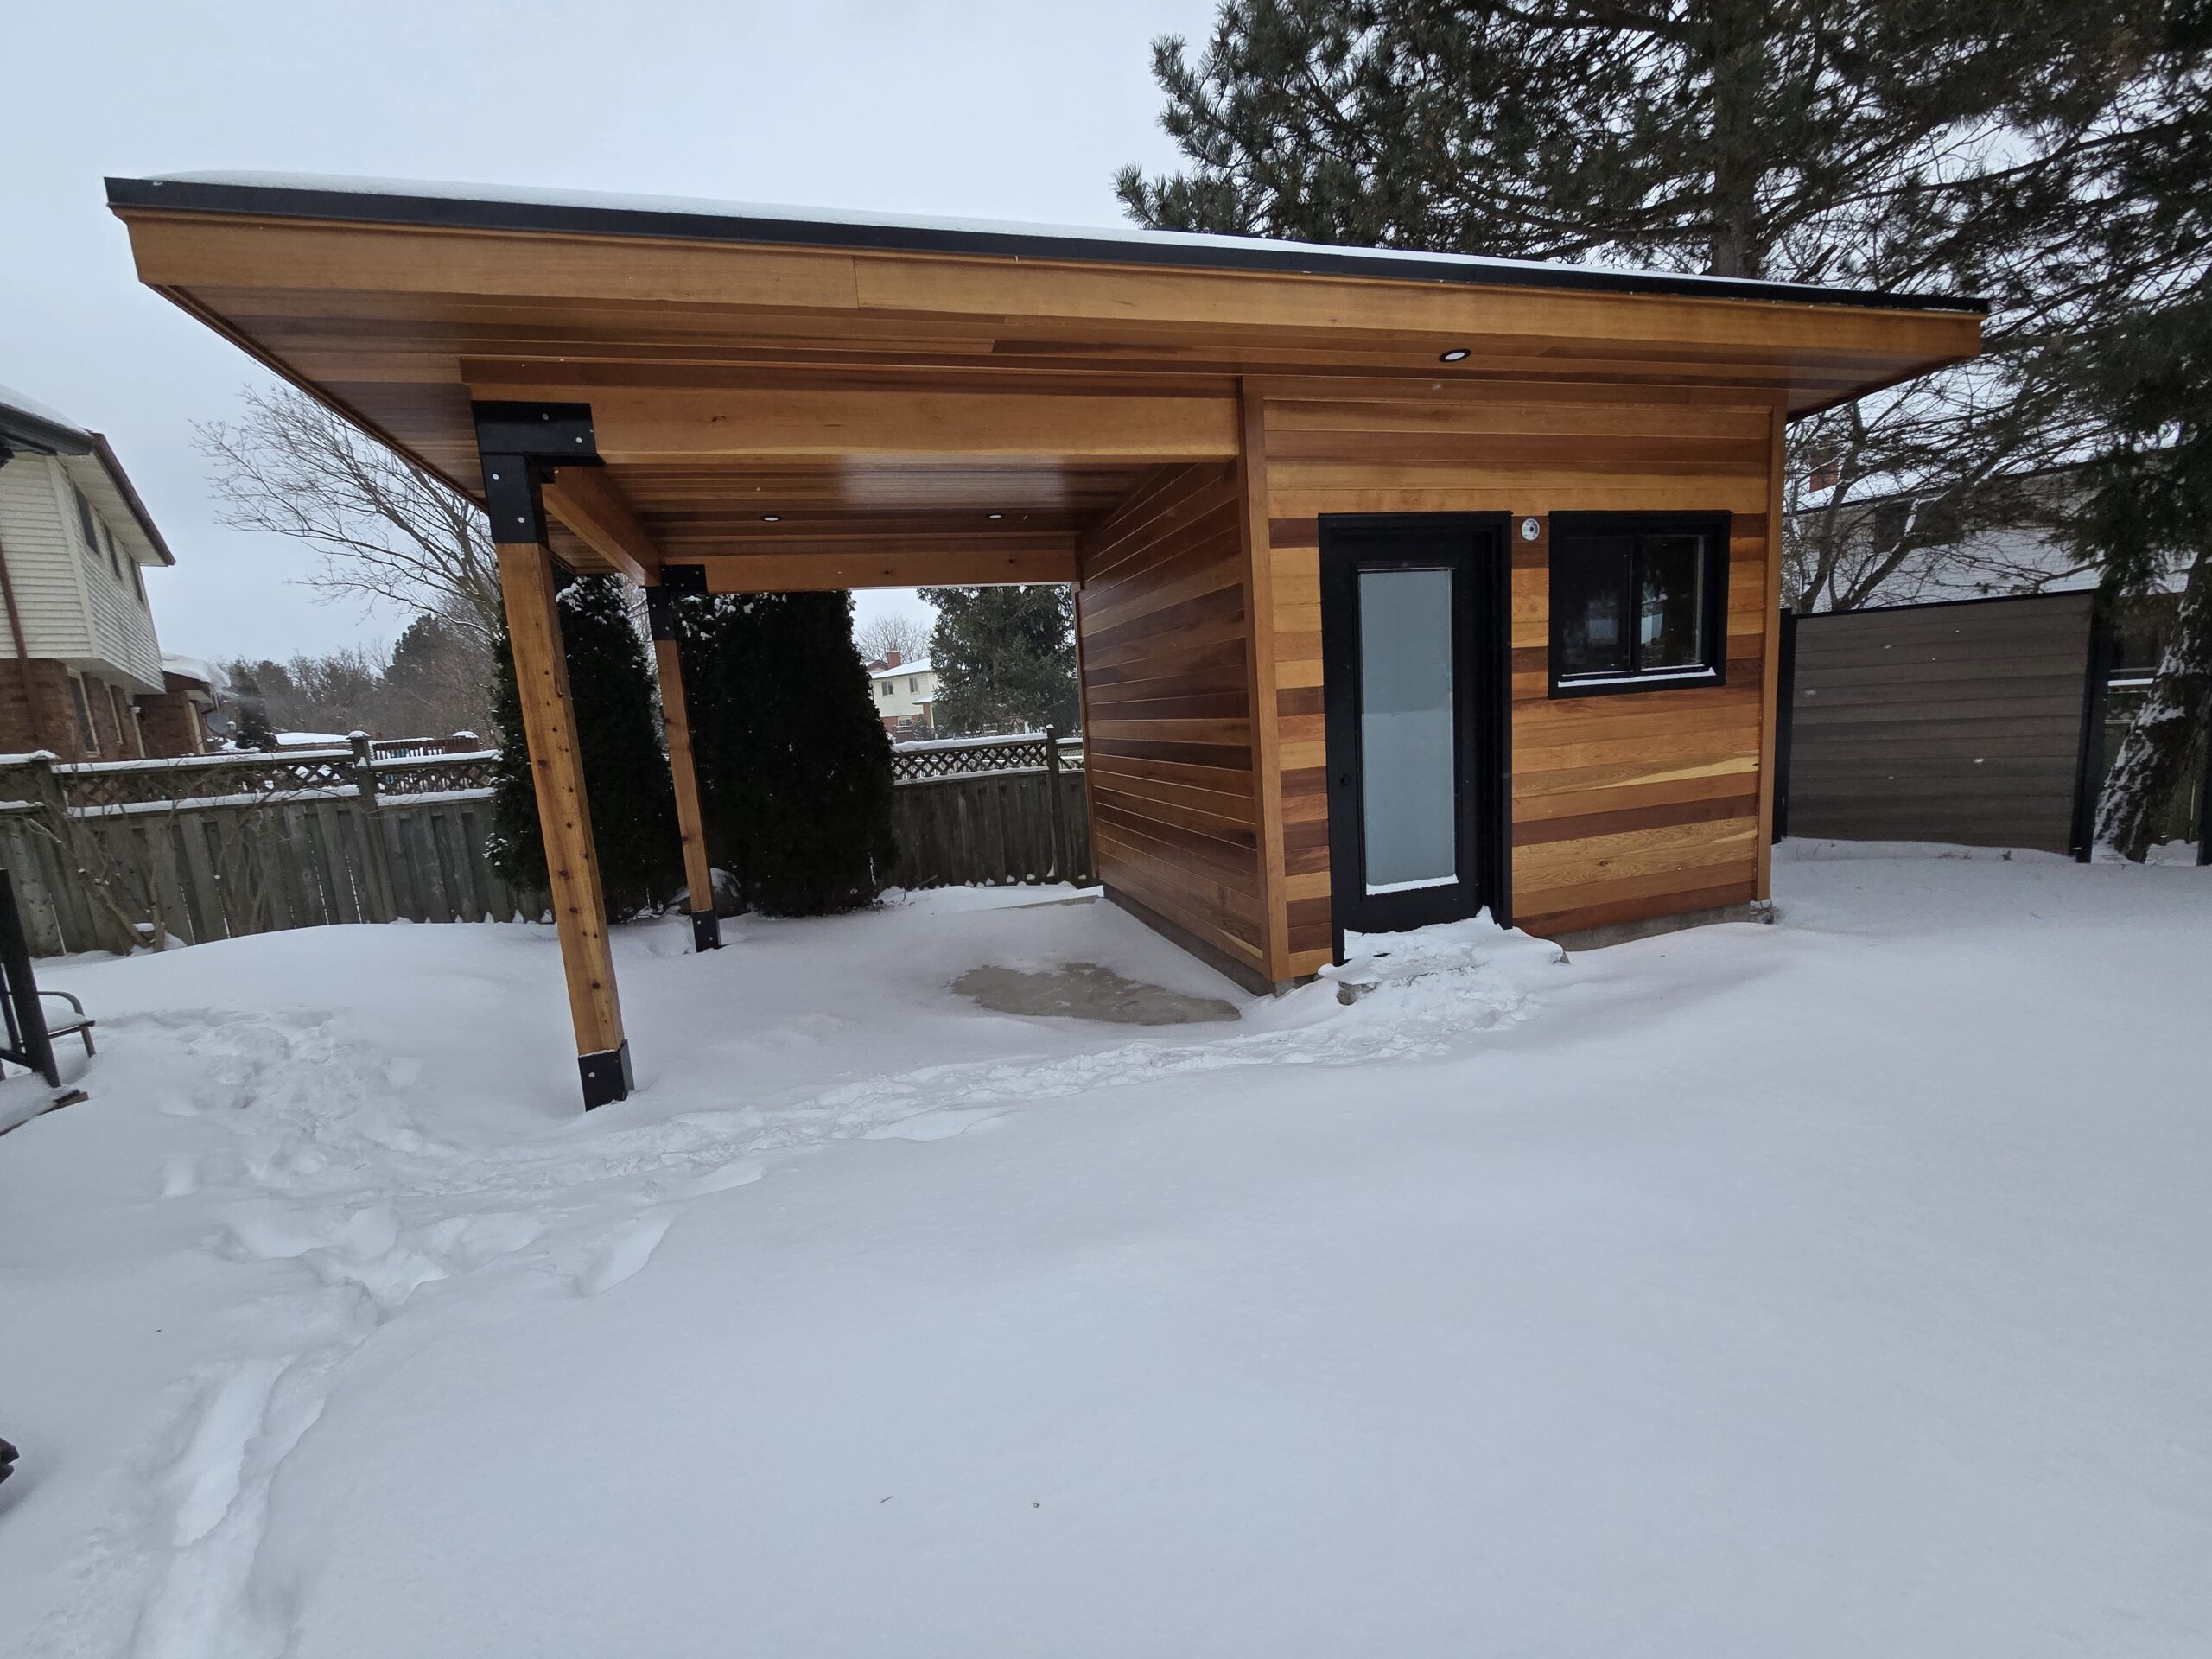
(377, 873)
(1785, 719)
(2204, 793)
(1058, 871)
(2089, 754)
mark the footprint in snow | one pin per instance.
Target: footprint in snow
(625, 1252)
(941, 1125)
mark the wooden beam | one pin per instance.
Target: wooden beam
(565, 818)
(691, 822)
(661, 425)
(817, 571)
(586, 501)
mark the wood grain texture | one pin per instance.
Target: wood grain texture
(1170, 747)
(690, 821)
(1622, 807)
(556, 774)
(724, 376)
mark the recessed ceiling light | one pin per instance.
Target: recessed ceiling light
(771, 518)
(1457, 354)
(995, 515)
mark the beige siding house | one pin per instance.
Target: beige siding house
(85, 678)
(906, 695)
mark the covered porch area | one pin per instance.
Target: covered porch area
(712, 399)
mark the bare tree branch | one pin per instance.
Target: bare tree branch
(385, 528)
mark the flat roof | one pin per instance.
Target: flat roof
(495, 207)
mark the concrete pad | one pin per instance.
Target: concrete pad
(1083, 990)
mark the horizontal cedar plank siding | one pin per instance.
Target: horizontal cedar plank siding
(1161, 616)
(1625, 807)
(1941, 723)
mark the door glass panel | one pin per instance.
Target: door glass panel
(1672, 604)
(1407, 741)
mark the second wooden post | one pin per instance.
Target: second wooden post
(691, 822)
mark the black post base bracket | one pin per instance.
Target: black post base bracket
(706, 930)
(606, 1076)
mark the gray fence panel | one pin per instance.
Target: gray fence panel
(1942, 722)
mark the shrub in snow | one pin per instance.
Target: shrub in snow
(619, 735)
(794, 767)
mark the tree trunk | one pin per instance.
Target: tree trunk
(1736, 50)
(2148, 769)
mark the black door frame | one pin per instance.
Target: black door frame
(1482, 621)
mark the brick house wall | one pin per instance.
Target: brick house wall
(170, 723)
(38, 710)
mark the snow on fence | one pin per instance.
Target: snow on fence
(107, 854)
(211, 847)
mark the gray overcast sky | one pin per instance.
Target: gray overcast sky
(1005, 110)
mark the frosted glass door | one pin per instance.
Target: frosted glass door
(1407, 736)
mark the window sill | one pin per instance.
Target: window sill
(1600, 685)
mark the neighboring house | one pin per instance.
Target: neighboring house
(86, 679)
(2015, 548)
(192, 719)
(906, 695)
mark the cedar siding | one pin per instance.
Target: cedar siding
(1647, 803)
(1164, 629)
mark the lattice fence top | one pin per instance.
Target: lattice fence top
(95, 783)
(291, 775)
(962, 757)
(98, 786)
(436, 774)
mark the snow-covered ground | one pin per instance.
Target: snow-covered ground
(1838, 1287)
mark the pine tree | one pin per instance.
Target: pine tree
(2143, 368)
(619, 740)
(794, 767)
(1005, 658)
(1873, 143)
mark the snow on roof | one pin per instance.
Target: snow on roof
(920, 665)
(536, 208)
(40, 426)
(194, 668)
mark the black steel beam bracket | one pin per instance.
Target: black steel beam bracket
(677, 582)
(606, 1076)
(517, 444)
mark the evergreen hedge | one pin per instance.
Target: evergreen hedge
(618, 737)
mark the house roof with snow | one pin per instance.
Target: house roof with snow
(29, 427)
(892, 670)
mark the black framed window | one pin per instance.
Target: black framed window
(1638, 602)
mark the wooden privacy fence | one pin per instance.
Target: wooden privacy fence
(107, 854)
(990, 811)
(211, 846)
(1990, 722)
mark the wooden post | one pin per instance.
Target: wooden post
(377, 871)
(1054, 814)
(698, 872)
(564, 817)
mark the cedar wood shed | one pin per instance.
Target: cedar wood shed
(1405, 583)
